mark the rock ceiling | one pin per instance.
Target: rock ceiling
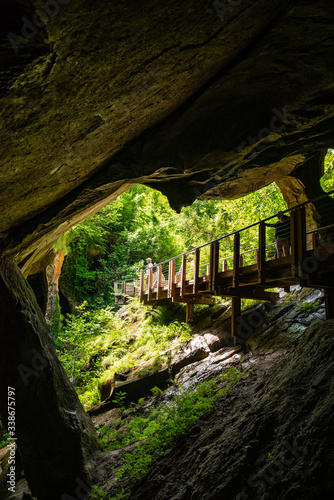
(194, 98)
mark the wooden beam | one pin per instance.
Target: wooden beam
(171, 279)
(196, 270)
(236, 257)
(294, 243)
(261, 258)
(214, 263)
(183, 275)
(159, 277)
(198, 299)
(250, 293)
(142, 285)
(190, 313)
(224, 265)
(329, 303)
(301, 234)
(149, 290)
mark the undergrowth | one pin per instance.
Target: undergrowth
(93, 345)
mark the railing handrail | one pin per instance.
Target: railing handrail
(132, 280)
(316, 198)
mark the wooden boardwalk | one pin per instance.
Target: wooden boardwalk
(227, 267)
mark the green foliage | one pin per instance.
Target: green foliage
(97, 493)
(56, 321)
(114, 243)
(94, 344)
(310, 306)
(327, 180)
(119, 400)
(4, 439)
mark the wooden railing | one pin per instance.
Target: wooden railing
(197, 275)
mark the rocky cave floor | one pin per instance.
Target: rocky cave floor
(271, 436)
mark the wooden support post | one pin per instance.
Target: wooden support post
(236, 313)
(142, 286)
(301, 247)
(159, 277)
(196, 270)
(224, 265)
(190, 312)
(183, 274)
(329, 303)
(123, 288)
(241, 261)
(294, 243)
(256, 256)
(214, 263)
(314, 240)
(261, 260)
(150, 278)
(171, 279)
(236, 256)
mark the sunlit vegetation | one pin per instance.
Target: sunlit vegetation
(115, 242)
(327, 180)
(94, 344)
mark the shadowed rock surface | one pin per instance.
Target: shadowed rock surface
(188, 97)
(55, 437)
(192, 98)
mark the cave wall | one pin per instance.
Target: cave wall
(197, 99)
(55, 437)
(191, 98)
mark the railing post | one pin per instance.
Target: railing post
(159, 277)
(150, 275)
(196, 271)
(142, 285)
(214, 263)
(183, 275)
(236, 257)
(262, 254)
(294, 243)
(224, 265)
(171, 279)
(301, 239)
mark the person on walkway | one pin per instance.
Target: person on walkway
(282, 235)
(148, 265)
